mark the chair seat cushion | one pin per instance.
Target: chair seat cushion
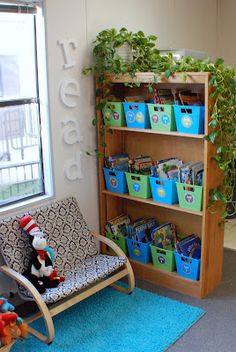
(88, 272)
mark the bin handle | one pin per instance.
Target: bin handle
(159, 108)
(135, 244)
(184, 110)
(161, 251)
(187, 260)
(188, 188)
(111, 173)
(133, 107)
(135, 178)
(158, 182)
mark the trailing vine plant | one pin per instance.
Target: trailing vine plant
(146, 58)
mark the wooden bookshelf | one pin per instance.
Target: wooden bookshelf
(161, 145)
(149, 130)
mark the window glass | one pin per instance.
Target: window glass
(17, 56)
(21, 162)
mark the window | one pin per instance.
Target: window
(23, 114)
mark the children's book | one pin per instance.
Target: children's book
(119, 162)
(190, 246)
(118, 225)
(164, 236)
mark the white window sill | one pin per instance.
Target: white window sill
(25, 205)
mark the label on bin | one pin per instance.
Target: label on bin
(161, 259)
(113, 182)
(161, 192)
(130, 116)
(165, 119)
(107, 114)
(154, 118)
(116, 115)
(189, 198)
(139, 117)
(187, 121)
(136, 252)
(136, 187)
(186, 268)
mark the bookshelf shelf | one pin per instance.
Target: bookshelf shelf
(160, 145)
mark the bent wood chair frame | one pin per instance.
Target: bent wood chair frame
(47, 312)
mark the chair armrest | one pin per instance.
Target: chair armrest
(110, 243)
(38, 299)
(25, 283)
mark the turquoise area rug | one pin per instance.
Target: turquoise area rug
(110, 321)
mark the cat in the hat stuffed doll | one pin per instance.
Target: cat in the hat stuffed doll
(41, 272)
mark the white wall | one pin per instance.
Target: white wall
(67, 21)
(177, 23)
(227, 31)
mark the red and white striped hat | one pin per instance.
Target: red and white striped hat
(28, 224)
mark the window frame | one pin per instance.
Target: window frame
(41, 99)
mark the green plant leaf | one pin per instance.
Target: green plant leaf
(146, 58)
(213, 123)
(94, 121)
(98, 92)
(184, 76)
(219, 62)
(212, 136)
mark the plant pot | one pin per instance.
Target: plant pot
(125, 52)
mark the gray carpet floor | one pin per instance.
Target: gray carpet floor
(216, 330)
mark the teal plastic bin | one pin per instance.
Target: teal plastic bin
(136, 115)
(163, 191)
(139, 251)
(189, 119)
(187, 267)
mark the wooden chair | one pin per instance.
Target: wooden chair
(76, 257)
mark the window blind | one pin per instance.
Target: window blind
(30, 7)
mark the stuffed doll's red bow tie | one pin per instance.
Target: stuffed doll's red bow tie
(42, 254)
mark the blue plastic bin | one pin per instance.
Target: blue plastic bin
(136, 115)
(115, 181)
(139, 251)
(163, 191)
(189, 119)
(187, 267)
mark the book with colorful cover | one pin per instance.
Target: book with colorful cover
(189, 246)
(164, 236)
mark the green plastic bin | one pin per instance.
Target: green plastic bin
(138, 185)
(162, 117)
(113, 114)
(119, 240)
(190, 196)
(163, 259)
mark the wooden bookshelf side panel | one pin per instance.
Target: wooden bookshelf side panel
(213, 232)
(213, 239)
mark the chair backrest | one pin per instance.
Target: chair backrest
(66, 233)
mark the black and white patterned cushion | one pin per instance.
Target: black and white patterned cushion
(90, 271)
(68, 235)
